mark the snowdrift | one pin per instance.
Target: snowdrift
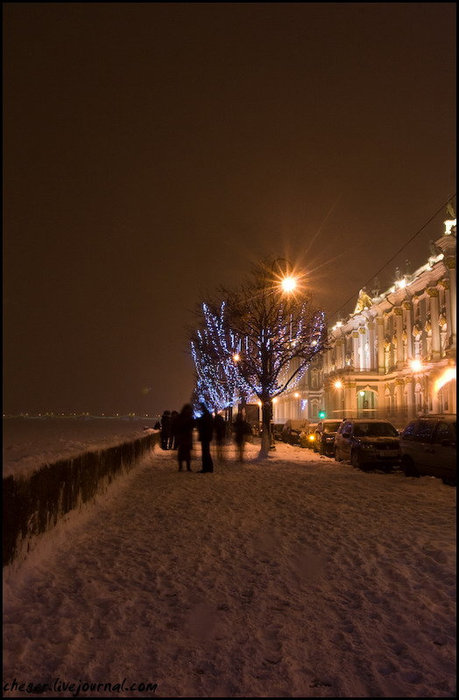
(33, 504)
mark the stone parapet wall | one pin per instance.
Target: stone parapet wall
(34, 504)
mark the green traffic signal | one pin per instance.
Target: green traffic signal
(322, 414)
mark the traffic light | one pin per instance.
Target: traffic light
(322, 414)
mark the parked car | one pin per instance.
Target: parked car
(368, 442)
(277, 430)
(308, 436)
(325, 433)
(428, 446)
(292, 429)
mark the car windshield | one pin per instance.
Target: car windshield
(374, 430)
(331, 427)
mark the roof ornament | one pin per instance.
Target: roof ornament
(363, 302)
(376, 287)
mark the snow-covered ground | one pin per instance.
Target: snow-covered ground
(295, 576)
(28, 443)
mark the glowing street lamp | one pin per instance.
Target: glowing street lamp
(284, 278)
(447, 376)
(288, 284)
(338, 384)
(416, 365)
(236, 357)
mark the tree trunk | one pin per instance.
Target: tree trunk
(266, 428)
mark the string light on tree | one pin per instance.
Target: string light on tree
(258, 342)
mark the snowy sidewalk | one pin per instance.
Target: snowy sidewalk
(296, 577)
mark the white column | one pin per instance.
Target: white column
(350, 405)
(343, 352)
(398, 392)
(434, 314)
(409, 329)
(362, 334)
(398, 315)
(371, 343)
(451, 265)
(411, 401)
(338, 353)
(355, 350)
(380, 333)
(445, 285)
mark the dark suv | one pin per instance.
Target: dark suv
(368, 442)
(428, 446)
(325, 433)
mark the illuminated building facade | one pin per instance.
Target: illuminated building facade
(394, 357)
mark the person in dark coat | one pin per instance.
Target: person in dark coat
(165, 429)
(173, 433)
(205, 431)
(184, 425)
(241, 431)
(220, 434)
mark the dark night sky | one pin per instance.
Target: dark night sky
(152, 151)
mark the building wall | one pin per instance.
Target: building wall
(389, 358)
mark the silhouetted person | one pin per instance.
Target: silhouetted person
(173, 435)
(205, 431)
(184, 425)
(220, 435)
(165, 429)
(241, 431)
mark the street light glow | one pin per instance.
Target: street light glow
(236, 357)
(338, 384)
(288, 284)
(447, 376)
(416, 365)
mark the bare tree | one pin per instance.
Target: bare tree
(265, 338)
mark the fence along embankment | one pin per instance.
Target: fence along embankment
(33, 505)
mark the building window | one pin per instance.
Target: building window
(314, 379)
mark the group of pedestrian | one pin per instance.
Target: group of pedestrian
(177, 433)
(168, 428)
